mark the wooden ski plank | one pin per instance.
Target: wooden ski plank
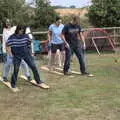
(25, 78)
(33, 82)
(47, 69)
(74, 72)
(8, 84)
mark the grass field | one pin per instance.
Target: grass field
(70, 98)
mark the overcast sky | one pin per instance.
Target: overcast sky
(77, 3)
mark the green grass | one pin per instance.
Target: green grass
(70, 98)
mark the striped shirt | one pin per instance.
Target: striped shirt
(18, 40)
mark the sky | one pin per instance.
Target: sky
(67, 3)
(77, 3)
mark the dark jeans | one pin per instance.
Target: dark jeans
(30, 61)
(79, 53)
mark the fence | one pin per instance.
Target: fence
(112, 32)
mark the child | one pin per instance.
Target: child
(19, 48)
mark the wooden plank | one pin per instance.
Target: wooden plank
(45, 68)
(33, 82)
(8, 84)
(25, 78)
(73, 72)
(48, 70)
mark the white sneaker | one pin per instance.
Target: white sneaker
(44, 86)
(15, 89)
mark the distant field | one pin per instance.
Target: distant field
(70, 98)
(77, 11)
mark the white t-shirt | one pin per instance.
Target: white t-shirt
(7, 32)
(56, 32)
(28, 31)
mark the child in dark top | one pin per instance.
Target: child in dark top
(18, 45)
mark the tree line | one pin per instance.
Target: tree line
(101, 13)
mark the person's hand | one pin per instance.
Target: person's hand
(33, 54)
(67, 45)
(84, 46)
(9, 51)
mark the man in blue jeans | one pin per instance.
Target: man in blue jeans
(72, 34)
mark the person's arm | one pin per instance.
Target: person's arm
(83, 40)
(63, 38)
(81, 37)
(8, 50)
(8, 46)
(32, 49)
(4, 40)
(28, 31)
(49, 35)
(65, 29)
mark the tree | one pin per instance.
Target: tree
(16, 10)
(59, 7)
(72, 6)
(104, 13)
(44, 14)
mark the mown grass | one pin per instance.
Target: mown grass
(70, 98)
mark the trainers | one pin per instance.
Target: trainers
(5, 79)
(67, 73)
(88, 74)
(15, 89)
(44, 86)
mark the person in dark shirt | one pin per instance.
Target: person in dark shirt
(73, 35)
(18, 45)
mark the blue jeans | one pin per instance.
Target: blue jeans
(25, 68)
(79, 53)
(8, 64)
(30, 62)
(8, 61)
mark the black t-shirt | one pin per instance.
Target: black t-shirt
(71, 33)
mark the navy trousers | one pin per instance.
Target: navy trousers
(79, 53)
(27, 57)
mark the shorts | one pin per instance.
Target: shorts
(54, 47)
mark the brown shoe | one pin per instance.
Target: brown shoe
(43, 85)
